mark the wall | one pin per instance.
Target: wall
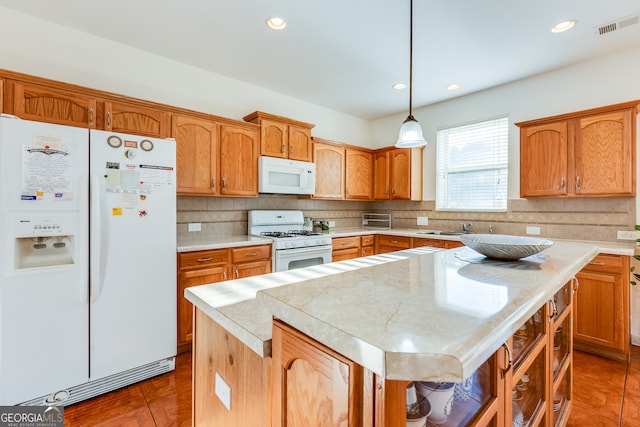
(44, 49)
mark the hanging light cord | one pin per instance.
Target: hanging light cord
(411, 58)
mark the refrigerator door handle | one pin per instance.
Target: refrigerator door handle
(96, 278)
(84, 225)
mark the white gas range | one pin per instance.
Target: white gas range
(292, 246)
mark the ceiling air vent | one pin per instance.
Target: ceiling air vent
(618, 24)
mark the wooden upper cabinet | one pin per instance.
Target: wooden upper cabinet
(604, 154)
(401, 173)
(544, 160)
(126, 117)
(381, 175)
(582, 154)
(329, 160)
(358, 174)
(283, 137)
(196, 155)
(300, 143)
(274, 139)
(42, 103)
(239, 160)
(397, 174)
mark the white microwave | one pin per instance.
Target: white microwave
(284, 176)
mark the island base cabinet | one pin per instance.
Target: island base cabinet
(312, 384)
(315, 386)
(248, 375)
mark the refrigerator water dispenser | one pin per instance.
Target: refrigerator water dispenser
(43, 241)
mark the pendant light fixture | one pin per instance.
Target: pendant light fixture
(410, 134)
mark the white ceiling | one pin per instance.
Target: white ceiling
(346, 54)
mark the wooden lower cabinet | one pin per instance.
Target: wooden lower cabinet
(417, 242)
(385, 244)
(213, 266)
(367, 245)
(216, 351)
(312, 384)
(602, 323)
(251, 261)
(345, 248)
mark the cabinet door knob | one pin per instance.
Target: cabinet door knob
(602, 264)
(213, 183)
(562, 183)
(91, 117)
(236, 273)
(224, 184)
(204, 259)
(108, 119)
(577, 182)
(224, 275)
(251, 254)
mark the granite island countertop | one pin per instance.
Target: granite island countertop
(418, 314)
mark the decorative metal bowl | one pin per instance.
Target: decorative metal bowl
(505, 247)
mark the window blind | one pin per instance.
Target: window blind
(472, 166)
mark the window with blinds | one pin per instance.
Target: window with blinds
(472, 165)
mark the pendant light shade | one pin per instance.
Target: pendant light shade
(410, 135)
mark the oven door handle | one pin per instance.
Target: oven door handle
(305, 250)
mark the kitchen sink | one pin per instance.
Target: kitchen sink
(446, 233)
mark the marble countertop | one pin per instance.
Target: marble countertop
(418, 314)
(202, 241)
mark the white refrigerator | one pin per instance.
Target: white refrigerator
(87, 261)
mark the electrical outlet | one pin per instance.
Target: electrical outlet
(332, 224)
(626, 235)
(534, 231)
(223, 391)
(423, 220)
(195, 226)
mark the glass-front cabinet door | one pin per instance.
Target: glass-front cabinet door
(476, 401)
(528, 381)
(561, 356)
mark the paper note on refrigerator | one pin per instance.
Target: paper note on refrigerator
(46, 169)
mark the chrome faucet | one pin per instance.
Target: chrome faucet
(466, 227)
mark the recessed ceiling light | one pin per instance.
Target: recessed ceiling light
(563, 26)
(454, 86)
(276, 23)
(399, 86)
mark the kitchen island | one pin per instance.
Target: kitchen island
(377, 322)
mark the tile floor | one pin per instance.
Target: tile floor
(607, 394)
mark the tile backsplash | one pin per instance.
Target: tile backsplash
(582, 219)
